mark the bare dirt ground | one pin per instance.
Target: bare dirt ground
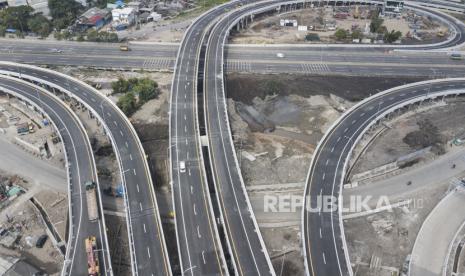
(151, 123)
(118, 243)
(295, 111)
(389, 146)
(285, 252)
(245, 87)
(26, 219)
(27, 223)
(268, 30)
(388, 237)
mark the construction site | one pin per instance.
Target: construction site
(343, 24)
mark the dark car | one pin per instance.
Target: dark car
(41, 241)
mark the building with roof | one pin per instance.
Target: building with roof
(393, 7)
(93, 18)
(136, 5)
(123, 17)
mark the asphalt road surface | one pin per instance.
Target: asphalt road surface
(150, 255)
(432, 245)
(81, 169)
(309, 59)
(322, 232)
(199, 246)
(249, 253)
(224, 171)
(264, 60)
(17, 161)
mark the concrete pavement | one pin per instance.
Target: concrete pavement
(424, 176)
(148, 249)
(17, 161)
(431, 246)
(81, 168)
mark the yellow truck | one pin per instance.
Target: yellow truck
(124, 47)
(93, 267)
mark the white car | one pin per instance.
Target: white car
(182, 166)
(280, 55)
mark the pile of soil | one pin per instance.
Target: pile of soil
(243, 88)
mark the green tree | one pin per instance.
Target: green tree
(120, 86)
(64, 12)
(392, 36)
(16, 17)
(273, 87)
(95, 36)
(376, 23)
(2, 30)
(92, 35)
(133, 82)
(146, 89)
(102, 3)
(382, 30)
(341, 34)
(40, 25)
(127, 103)
(356, 34)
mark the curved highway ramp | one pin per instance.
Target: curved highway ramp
(81, 169)
(146, 239)
(432, 244)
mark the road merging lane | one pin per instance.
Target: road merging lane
(81, 168)
(322, 234)
(147, 244)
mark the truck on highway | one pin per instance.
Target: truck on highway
(92, 205)
(93, 267)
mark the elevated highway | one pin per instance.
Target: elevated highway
(323, 234)
(146, 240)
(162, 56)
(226, 175)
(199, 245)
(80, 164)
(433, 243)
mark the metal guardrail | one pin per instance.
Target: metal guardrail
(346, 162)
(71, 227)
(107, 130)
(202, 164)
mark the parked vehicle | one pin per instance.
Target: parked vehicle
(41, 241)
